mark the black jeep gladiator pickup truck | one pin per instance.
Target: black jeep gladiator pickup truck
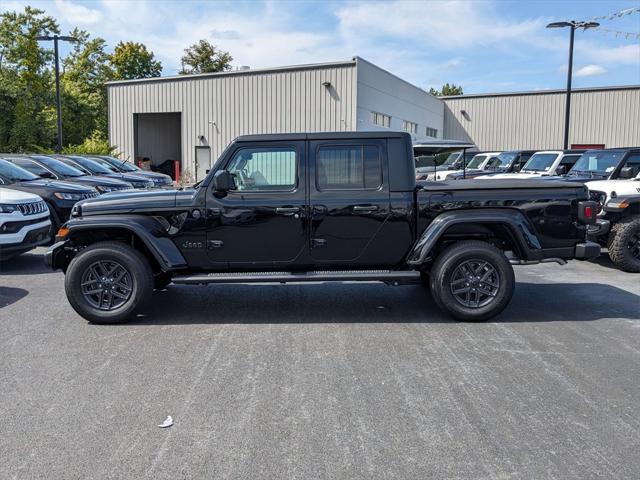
(320, 207)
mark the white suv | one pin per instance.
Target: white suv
(546, 163)
(24, 222)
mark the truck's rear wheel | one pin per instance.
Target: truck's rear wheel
(108, 281)
(472, 281)
(624, 244)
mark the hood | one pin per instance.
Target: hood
(16, 196)
(56, 185)
(132, 178)
(619, 187)
(157, 177)
(132, 201)
(98, 180)
(519, 175)
(584, 177)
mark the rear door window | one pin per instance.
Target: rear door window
(348, 167)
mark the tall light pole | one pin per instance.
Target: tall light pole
(55, 39)
(572, 25)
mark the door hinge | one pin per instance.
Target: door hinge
(318, 243)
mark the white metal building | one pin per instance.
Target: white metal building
(192, 118)
(600, 117)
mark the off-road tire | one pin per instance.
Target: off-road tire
(132, 260)
(619, 238)
(458, 254)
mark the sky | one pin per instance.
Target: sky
(484, 46)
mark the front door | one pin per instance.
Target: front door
(348, 200)
(261, 224)
(203, 162)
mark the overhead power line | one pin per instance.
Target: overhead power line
(621, 13)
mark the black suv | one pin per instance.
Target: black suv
(47, 167)
(159, 179)
(59, 196)
(92, 167)
(607, 164)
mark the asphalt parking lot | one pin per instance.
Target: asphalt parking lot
(323, 381)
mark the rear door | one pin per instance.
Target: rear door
(348, 200)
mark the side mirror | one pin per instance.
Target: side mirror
(628, 172)
(561, 170)
(47, 175)
(224, 181)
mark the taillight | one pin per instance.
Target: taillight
(587, 212)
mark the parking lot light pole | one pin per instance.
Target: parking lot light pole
(55, 39)
(572, 25)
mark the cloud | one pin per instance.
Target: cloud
(622, 55)
(77, 14)
(590, 70)
(448, 25)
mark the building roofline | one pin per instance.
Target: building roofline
(360, 59)
(541, 92)
(198, 76)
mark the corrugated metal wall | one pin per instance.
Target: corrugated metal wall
(536, 120)
(221, 107)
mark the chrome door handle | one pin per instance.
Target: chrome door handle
(365, 208)
(287, 211)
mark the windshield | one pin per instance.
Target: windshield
(104, 163)
(540, 162)
(91, 165)
(504, 159)
(121, 164)
(451, 159)
(59, 167)
(601, 162)
(14, 173)
(476, 161)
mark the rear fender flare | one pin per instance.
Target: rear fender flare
(515, 221)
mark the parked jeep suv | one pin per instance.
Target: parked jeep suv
(24, 222)
(59, 196)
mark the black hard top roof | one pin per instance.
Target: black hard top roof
(273, 137)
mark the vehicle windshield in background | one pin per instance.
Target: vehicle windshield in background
(117, 164)
(105, 164)
(540, 162)
(425, 161)
(451, 159)
(600, 162)
(476, 161)
(92, 166)
(14, 173)
(503, 160)
(59, 167)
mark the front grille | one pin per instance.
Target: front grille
(89, 195)
(32, 208)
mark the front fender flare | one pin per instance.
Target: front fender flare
(147, 229)
(517, 223)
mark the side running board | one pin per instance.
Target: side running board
(387, 276)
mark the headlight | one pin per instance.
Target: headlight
(7, 208)
(70, 196)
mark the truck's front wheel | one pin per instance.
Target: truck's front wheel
(108, 281)
(472, 281)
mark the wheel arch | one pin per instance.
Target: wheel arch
(145, 234)
(507, 225)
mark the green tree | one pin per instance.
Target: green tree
(447, 90)
(25, 80)
(85, 71)
(132, 60)
(203, 57)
